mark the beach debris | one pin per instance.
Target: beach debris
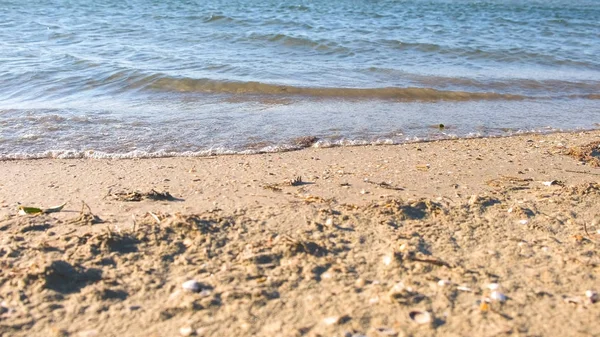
(187, 331)
(441, 126)
(387, 259)
(25, 210)
(423, 167)
(510, 183)
(272, 187)
(332, 320)
(464, 288)
(296, 181)
(523, 221)
(592, 296)
(443, 283)
(277, 187)
(386, 185)
(158, 196)
(572, 300)
(139, 196)
(497, 296)
(86, 217)
(588, 154)
(309, 199)
(305, 141)
(553, 183)
(493, 286)
(360, 282)
(484, 305)
(431, 260)
(192, 286)
(420, 317)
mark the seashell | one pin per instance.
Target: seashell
(329, 222)
(398, 288)
(420, 317)
(331, 320)
(464, 288)
(186, 331)
(592, 296)
(191, 286)
(497, 296)
(387, 259)
(493, 286)
(523, 222)
(443, 283)
(374, 300)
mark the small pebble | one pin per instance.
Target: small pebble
(191, 286)
(360, 283)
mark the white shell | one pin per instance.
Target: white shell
(387, 259)
(186, 331)
(493, 286)
(443, 283)
(420, 317)
(191, 286)
(331, 320)
(523, 222)
(398, 288)
(498, 296)
(592, 296)
(329, 222)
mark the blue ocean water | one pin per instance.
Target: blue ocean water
(140, 78)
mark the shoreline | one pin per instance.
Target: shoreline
(299, 144)
(320, 241)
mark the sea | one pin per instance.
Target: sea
(160, 78)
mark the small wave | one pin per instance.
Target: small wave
(292, 145)
(258, 88)
(217, 18)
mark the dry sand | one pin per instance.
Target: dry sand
(370, 238)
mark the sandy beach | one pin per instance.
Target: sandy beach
(466, 237)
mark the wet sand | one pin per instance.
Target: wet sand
(488, 237)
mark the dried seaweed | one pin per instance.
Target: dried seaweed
(589, 153)
(139, 196)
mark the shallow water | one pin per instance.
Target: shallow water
(139, 78)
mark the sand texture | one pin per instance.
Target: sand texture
(471, 237)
